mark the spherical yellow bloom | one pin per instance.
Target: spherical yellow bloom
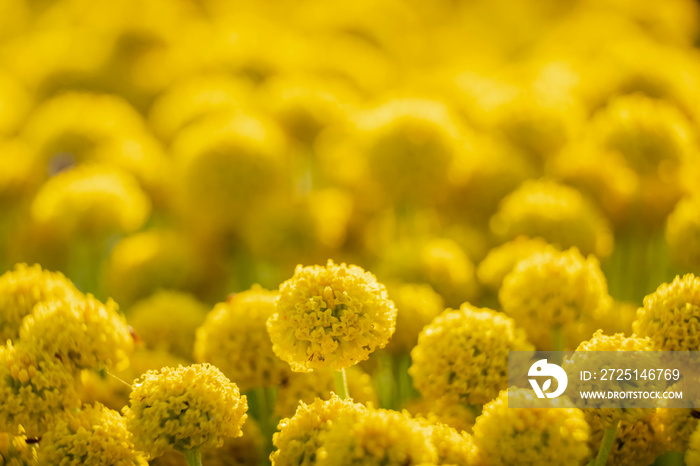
(306, 387)
(438, 411)
(184, 409)
(557, 213)
(451, 446)
(83, 334)
(531, 436)
(22, 288)
(674, 426)
(300, 436)
(92, 435)
(502, 259)
(462, 355)
(416, 306)
(553, 289)
(15, 451)
(377, 437)
(670, 315)
(683, 232)
(34, 387)
(330, 317)
(167, 320)
(636, 442)
(234, 338)
(91, 200)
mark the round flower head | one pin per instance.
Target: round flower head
(35, 387)
(330, 317)
(234, 338)
(91, 435)
(300, 436)
(553, 288)
(15, 451)
(636, 442)
(674, 426)
(91, 200)
(459, 416)
(167, 320)
(306, 387)
(502, 259)
(377, 437)
(683, 232)
(670, 315)
(451, 446)
(184, 409)
(531, 436)
(83, 334)
(22, 288)
(416, 306)
(557, 213)
(462, 355)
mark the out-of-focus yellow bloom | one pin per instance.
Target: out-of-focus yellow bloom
(234, 338)
(377, 437)
(462, 355)
(306, 387)
(18, 175)
(557, 213)
(553, 289)
(15, 101)
(166, 321)
(15, 451)
(300, 436)
(91, 200)
(184, 409)
(670, 315)
(84, 334)
(502, 259)
(24, 287)
(683, 232)
(35, 387)
(692, 456)
(636, 442)
(416, 306)
(144, 262)
(506, 436)
(92, 435)
(330, 317)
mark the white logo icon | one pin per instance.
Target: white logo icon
(542, 368)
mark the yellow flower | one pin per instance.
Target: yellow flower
(24, 287)
(459, 416)
(306, 387)
(416, 306)
(683, 232)
(234, 338)
(91, 200)
(462, 355)
(15, 101)
(300, 436)
(92, 435)
(330, 317)
(557, 213)
(674, 426)
(670, 316)
(15, 451)
(167, 321)
(553, 289)
(184, 409)
(636, 442)
(35, 387)
(83, 334)
(692, 455)
(531, 436)
(451, 446)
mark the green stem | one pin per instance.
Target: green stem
(341, 383)
(558, 342)
(606, 445)
(193, 457)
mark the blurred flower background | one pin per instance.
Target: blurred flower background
(177, 159)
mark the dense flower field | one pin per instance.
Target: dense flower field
(308, 232)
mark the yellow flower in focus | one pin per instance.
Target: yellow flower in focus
(671, 315)
(330, 317)
(35, 387)
(416, 306)
(91, 200)
(184, 408)
(15, 451)
(451, 446)
(553, 289)
(22, 288)
(234, 338)
(557, 213)
(92, 435)
(531, 436)
(83, 334)
(166, 321)
(462, 355)
(683, 232)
